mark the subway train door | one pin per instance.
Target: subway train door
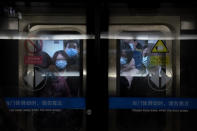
(49, 68)
(143, 66)
(52, 63)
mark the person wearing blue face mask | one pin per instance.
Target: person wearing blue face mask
(123, 60)
(127, 68)
(131, 44)
(72, 50)
(61, 64)
(59, 84)
(145, 57)
(145, 61)
(126, 60)
(60, 60)
(62, 85)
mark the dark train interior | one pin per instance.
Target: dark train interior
(107, 66)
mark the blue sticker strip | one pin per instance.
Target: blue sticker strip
(46, 103)
(114, 103)
(152, 103)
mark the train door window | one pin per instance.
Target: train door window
(141, 59)
(141, 69)
(51, 73)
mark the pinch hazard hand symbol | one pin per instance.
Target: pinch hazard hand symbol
(159, 47)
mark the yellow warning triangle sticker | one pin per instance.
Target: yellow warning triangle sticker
(159, 47)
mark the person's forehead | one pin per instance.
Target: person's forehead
(72, 43)
(60, 56)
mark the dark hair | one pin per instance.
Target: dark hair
(127, 49)
(62, 52)
(139, 46)
(125, 46)
(128, 55)
(145, 46)
(71, 41)
(46, 60)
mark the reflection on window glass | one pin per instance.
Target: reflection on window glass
(142, 73)
(57, 61)
(53, 69)
(142, 68)
(51, 46)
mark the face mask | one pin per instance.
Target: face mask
(145, 61)
(123, 60)
(131, 46)
(71, 52)
(61, 64)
